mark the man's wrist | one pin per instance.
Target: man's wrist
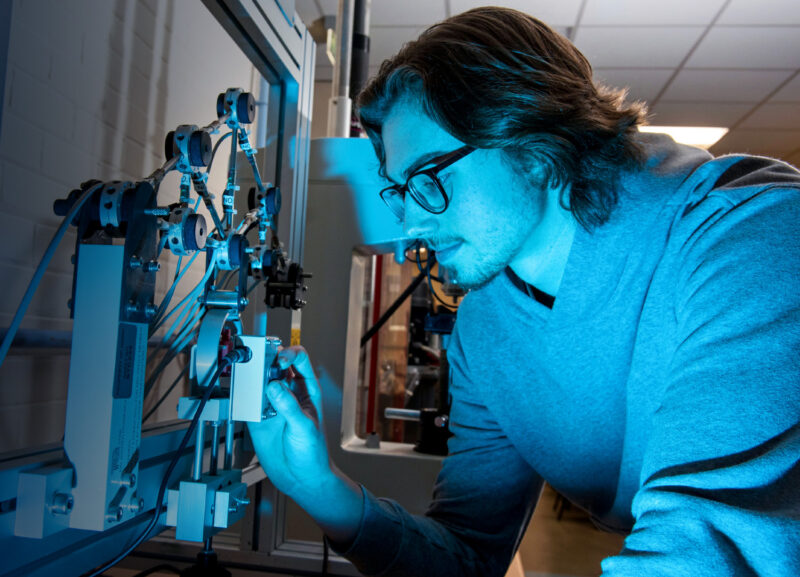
(337, 507)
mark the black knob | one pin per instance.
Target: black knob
(169, 145)
(245, 108)
(199, 148)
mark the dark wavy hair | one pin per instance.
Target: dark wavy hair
(498, 78)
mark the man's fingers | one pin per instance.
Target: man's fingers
(297, 357)
(298, 360)
(286, 405)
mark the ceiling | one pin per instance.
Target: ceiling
(733, 63)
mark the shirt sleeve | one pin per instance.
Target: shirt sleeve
(720, 484)
(482, 502)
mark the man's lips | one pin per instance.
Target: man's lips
(445, 252)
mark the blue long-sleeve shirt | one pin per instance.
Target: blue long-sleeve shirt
(661, 392)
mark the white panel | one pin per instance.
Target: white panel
(646, 47)
(649, 12)
(385, 42)
(407, 12)
(757, 12)
(766, 142)
(698, 113)
(560, 13)
(724, 85)
(748, 47)
(784, 115)
(642, 84)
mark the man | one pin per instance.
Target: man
(632, 336)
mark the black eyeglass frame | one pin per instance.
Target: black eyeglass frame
(442, 162)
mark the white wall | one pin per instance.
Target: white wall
(92, 88)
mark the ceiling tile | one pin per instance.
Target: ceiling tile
(724, 85)
(754, 13)
(755, 47)
(561, 13)
(782, 115)
(790, 92)
(646, 47)
(406, 13)
(698, 113)
(766, 142)
(658, 12)
(642, 83)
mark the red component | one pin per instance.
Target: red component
(226, 345)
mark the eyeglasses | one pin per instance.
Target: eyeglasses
(424, 186)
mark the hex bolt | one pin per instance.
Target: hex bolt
(132, 307)
(152, 266)
(62, 504)
(114, 514)
(136, 262)
(243, 302)
(135, 505)
(150, 310)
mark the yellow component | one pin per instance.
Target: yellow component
(295, 340)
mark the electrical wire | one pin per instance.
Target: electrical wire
(226, 361)
(178, 346)
(179, 274)
(216, 147)
(197, 288)
(39, 273)
(166, 393)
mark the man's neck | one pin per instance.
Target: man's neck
(542, 260)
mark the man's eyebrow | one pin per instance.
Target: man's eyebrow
(419, 162)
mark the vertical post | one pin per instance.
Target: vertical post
(340, 104)
(199, 449)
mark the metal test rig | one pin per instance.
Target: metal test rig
(74, 510)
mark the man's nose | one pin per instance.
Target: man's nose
(417, 222)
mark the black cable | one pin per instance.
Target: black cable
(325, 548)
(233, 356)
(393, 307)
(166, 394)
(216, 147)
(449, 307)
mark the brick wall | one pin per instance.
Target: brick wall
(91, 89)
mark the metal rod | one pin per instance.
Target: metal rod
(228, 463)
(159, 174)
(401, 414)
(212, 469)
(199, 449)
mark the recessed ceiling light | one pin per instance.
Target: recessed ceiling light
(702, 136)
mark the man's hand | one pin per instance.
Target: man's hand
(292, 450)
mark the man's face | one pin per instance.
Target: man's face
(493, 212)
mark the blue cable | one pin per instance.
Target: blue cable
(39, 273)
(185, 299)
